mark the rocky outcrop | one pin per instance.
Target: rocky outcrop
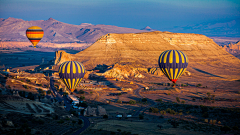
(122, 71)
(234, 49)
(155, 71)
(142, 50)
(101, 111)
(61, 56)
(90, 111)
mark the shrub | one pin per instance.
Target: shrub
(161, 117)
(105, 116)
(60, 121)
(208, 93)
(174, 123)
(112, 133)
(73, 122)
(132, 102)
(67, 119)
(225, 129)
(219, 122)
(193, 99)
(172, 112)
(80, 121)
(169, 93)
(82, 92)
(205, 115)
(159, 100)
(119, 101)
(82, 97)
(163, 112)
(144, 100)
(183, 102)
(199, 85)
(180, 113)
(141, 116)
(154, 110)
(49, 92)
(235, 128)
(238, 92)
(177, 98)
(25, 86)
(168, 110)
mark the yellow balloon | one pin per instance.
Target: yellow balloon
(34, 34)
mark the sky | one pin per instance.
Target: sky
(158, 14)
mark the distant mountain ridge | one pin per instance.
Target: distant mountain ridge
(13, 29)
(148, 29)
(230, 28)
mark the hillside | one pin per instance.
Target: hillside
(143, 50)
(13, 29)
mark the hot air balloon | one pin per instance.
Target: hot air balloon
(173, 64)
(34, 34)
(71, 73)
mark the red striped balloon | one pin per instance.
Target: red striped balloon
(34, 34)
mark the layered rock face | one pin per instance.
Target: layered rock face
(234, 49)
(142, 50)
(122, 71)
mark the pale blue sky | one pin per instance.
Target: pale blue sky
(158, 14)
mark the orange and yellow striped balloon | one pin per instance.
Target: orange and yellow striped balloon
(34, 34)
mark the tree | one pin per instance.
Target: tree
(82, 97)
(80, 121)
(198, 85)
(225, 129)
(119, 101)
(141, 116)
(132, 102)
(159, 100)
(154, 110)
(174, 123)
(81, 92)
(178, 100)
(73, 122)
(105, 116)
(144, 99)
(49, 92)
(30, 96)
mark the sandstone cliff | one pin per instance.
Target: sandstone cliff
(122, 71)
(234, 49)
(141, 50)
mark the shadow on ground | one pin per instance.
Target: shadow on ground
(199, 70)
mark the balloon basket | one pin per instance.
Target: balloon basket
(174, 85)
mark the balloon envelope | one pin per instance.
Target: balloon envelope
(71, 73)
(173, 63)
(34, 34)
